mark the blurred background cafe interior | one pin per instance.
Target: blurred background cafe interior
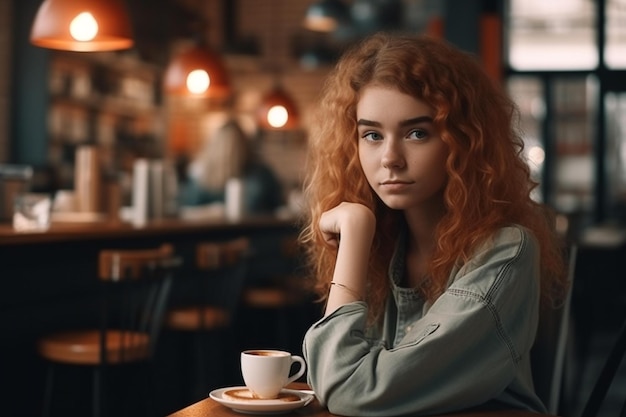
(186, 126)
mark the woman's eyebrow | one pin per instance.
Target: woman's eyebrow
(416, 120)
(404, 123)
(364, 122)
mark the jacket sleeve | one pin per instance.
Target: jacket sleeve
(463, 352)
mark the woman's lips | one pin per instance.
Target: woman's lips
(395, 185)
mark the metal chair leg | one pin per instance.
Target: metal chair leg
(47, 394)
(96, 395)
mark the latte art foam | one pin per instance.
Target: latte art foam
(244, 394)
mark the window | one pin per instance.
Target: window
(553, 60)
(552, 35)
(615, 49)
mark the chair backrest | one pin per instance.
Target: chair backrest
(606, 377)
(214, 255)
(549, 350)
(226, 264)
(135, 290)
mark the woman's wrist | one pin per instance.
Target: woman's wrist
(361, 222)
(356, 294)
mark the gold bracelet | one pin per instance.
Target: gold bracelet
(350, 290)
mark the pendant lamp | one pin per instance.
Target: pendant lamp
(278, 111)
(197, 71)
(82, 25)
(326, 15)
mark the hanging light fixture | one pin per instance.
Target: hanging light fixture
(326, 15)
(278, 111)
(197, 71)
(82, 26)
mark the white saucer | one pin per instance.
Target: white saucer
(258, 406)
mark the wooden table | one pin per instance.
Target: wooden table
(212, 408)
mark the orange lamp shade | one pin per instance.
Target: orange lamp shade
(278, 111)
(83, 26)
(197, 72)
(326, 15)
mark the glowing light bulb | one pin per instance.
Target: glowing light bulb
(84, 27)
(536, 155)
(198, 81)
(277, 116)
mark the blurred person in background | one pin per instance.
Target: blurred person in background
(229, 154)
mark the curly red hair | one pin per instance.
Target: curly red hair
(488, 181)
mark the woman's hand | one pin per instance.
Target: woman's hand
(347, 218)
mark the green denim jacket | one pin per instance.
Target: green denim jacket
(469, 348)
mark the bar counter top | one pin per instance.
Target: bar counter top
(106, 230)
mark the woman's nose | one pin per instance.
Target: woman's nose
(392, 156)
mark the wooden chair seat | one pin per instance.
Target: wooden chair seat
(269, 297)
(83, 347)
(134, 291)
(197, 318)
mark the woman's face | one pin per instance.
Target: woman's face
(401, 154)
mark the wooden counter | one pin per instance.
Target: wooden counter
(64, 232)
(61, 262)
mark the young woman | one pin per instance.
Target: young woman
(429, 252)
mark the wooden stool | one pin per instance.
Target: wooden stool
(205, 316)
(135, 286)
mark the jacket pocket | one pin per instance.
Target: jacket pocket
(412, 340)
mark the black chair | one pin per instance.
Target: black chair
(135, 290)
(607, 376)
(548, 354)
(277, 297)
(201, 319)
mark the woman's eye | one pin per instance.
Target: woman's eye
(373, 136)
(418, 134)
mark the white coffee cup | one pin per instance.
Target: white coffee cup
(265, 371)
